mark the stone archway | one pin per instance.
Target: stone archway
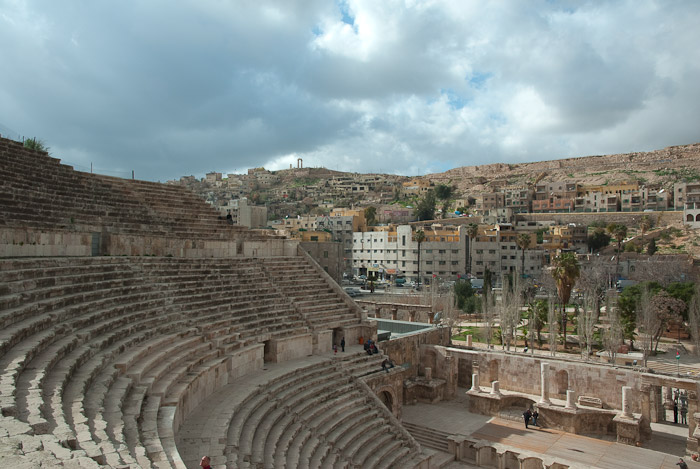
(387, 395)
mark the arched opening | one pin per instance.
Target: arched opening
(697, 217)
(689, 217)
(387, 399)
(562, 382)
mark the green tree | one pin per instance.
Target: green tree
(538, 316)
(628, 304)
(523, 242)
(443, 191)
(599, 239)
(419, 238)
(425, 210)
(463, 291)
(371, 215)
(36, 144)
(651, 247)
(565, 273)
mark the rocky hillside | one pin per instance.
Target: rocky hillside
(662, 167)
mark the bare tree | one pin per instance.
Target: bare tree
(488, 313)
(613, 334)
(588, 315)
(653, 315)
(667, 309)
(509, 310)
(646, 324)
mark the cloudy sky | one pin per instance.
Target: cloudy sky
(408, 87)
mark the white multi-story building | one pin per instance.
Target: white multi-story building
(392, 251)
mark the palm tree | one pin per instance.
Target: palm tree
(523, 242)
(619, 232)
(565, 273)
(420, 237)
(472, 231)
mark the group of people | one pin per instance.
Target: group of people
(371, 347)
(342, 346)
(530, 415)
(680, 397)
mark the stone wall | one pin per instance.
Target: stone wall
(670, 218)
(407, 350)
(28, 242)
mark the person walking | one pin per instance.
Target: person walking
(535, 414)
(682, 464)
(684, 413)
(526, 417)
(342, 344)
(675, 412)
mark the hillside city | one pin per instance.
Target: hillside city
(501, 219)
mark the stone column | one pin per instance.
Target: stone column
(412, 315)
(668, 397)
(469, 340)
(394, 313)
(570, 399)
(475, 383)
(495, 388)
(428, 373)
(626, 396)
(544, 383)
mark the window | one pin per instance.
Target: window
(429, 262)
(492, 251)
(455, 251)
(479, 251)
(479, 262)
(455, 262)
(325, 254)
(442, 263)
(429, 251)
(442, 251)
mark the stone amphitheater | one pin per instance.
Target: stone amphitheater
(140, 330)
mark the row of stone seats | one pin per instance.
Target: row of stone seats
(316, 417)
(39, 191)
(94, 364)
(320, 305)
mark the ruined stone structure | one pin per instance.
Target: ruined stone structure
(129, 312)
(143, 305)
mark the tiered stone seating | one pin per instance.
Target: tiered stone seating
(317, 416)
(101, 358)
(93, 349)
(320, 305)
(38, 191)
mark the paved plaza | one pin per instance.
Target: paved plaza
(577, 450)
